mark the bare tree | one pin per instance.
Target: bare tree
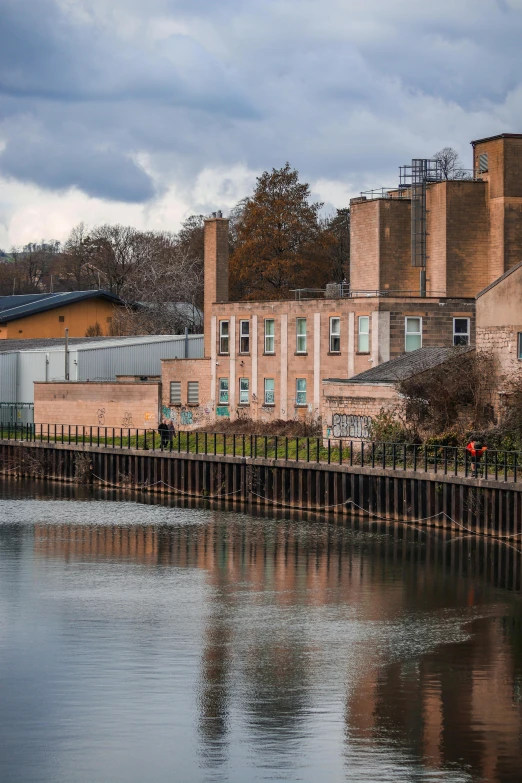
(163, 291)
(75, 270)
(451, 164)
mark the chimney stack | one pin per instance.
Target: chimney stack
(216, 269)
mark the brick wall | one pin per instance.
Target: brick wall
(364, 245)
(437, 322)
(395, 270)
(94, 404)
(187, 416)
(349, 409)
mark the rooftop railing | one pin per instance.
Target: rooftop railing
(343, 291)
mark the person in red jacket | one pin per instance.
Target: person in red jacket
(476, 449)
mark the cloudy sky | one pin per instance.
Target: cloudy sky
(145, 111)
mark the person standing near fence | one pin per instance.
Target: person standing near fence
(476, 449)
(163, 433)
(171, 433)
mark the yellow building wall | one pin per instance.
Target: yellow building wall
(77, 317)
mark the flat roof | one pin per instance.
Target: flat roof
(499, 136)
(88, 343)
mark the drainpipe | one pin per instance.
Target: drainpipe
(423, 281)
(66, 354)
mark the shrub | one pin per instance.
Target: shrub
(387, 427)
(450, 398)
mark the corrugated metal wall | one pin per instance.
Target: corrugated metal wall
(8, 377)
(141, 359)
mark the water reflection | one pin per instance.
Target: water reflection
(272, 648)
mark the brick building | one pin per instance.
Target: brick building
(473, 228)
(267, 360)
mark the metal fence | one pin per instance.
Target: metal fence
(16, 413)
(498, 465)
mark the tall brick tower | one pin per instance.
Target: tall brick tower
(216, 270)
(498, 161)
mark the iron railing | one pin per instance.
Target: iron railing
(500, 465)
(343, 291)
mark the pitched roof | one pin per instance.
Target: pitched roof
(499, 279)
(22, 305)
(403, 366)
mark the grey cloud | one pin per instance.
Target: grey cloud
(345, 92)
(58, 164)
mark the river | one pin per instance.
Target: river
(144, 641)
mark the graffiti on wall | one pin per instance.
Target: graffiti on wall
(169, 413)
(222, 410)
(127, 419)
(186, 417)
(346, 426)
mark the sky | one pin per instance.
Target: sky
(144, 112)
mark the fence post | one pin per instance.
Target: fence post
(266, 447)
(329, 451)
(297, 449)
(362, 454)
(340, 451)
(308, 449)
(286, 448)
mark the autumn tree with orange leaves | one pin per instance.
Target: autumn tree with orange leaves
(280, 242)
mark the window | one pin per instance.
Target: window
(461, 331)
(363, 339)
(193, 392)
(244, 391)
(520, 345)
(223, 391)
(269, 335)
(483, 163)
(61, 318)
(269, 391)
(244, 337)
(175, 392)
(413, 334)
(335, 335)
(223, 337)
(301, 335)
(300, 391)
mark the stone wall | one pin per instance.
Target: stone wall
(97, 404)
(349, 409)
